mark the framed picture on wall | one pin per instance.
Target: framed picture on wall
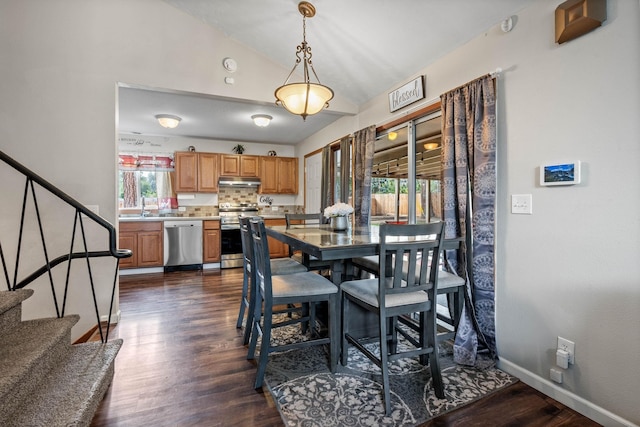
(567, 173)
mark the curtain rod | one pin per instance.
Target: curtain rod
(494, 74)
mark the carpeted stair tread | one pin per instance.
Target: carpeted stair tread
(9, 299)
(11, 308)
(70, 393)
(28, 352)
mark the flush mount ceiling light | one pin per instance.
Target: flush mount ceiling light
(304, 98)
(261, 120)
(392, 136)
(168, 121)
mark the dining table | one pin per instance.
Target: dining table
(336, 247)
(325, 244)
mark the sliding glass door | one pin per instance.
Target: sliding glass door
(406, 172)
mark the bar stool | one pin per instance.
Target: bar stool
(278, 266)
(306, 288)
(406, 285)
(450, 286)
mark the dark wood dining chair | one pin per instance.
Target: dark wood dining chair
(391, 295)
(305, 289)
(278, 266)
(309, 220)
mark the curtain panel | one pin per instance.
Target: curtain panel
(468, 187)
(345, 169)
(327, 179)
(363, 150)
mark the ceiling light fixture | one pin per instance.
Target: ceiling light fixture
(431, 145)
(392, 136)
(168, 121)
(304, 98)
(261, 120)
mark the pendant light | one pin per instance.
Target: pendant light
(304, 98)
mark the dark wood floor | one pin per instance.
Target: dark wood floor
(183, 364)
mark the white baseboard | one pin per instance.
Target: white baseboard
(130, 271)
(571, 400)
(115, 317)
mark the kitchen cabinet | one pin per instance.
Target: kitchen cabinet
(277, 249)
(239, 165)
(211, 241)
(196, 172)
(278, 175)
(186, 164)
(145, 239)
(208, 172)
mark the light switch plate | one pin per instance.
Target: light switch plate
(521, 204)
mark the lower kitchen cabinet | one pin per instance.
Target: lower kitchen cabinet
(145, 239)
(211, 241)
(277, 249)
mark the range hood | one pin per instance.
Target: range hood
(237, 181)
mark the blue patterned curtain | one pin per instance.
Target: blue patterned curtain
(469, 187)
(363, 149)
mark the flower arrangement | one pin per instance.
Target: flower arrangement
(339, 209)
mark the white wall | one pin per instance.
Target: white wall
(60, 63)
(571, 269)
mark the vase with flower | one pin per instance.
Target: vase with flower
(339, 215)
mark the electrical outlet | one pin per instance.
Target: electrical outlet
(569, 347)
(521, 204)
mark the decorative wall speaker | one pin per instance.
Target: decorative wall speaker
(577, 17)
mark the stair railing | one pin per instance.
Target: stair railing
(80, 212)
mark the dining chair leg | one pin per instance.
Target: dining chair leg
(384, 365)
(243, 301)
(256, 330)
(334, 332)
(344, 344)
(264, 346)
(248, 329)
(428, 336)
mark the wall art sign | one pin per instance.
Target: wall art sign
(406, 95)
(567, 173)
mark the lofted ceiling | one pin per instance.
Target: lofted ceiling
(377, 44)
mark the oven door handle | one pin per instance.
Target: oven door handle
(230, 227)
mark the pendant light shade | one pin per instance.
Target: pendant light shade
(304, 98)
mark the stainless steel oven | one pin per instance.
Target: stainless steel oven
(230, 240)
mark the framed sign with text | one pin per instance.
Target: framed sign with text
(406, 94)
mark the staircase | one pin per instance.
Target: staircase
(44, 380)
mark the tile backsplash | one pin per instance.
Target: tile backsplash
(237, 196)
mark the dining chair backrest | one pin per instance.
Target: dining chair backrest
(245, 238)
(306, 219)
(261, 260)
(412, 249)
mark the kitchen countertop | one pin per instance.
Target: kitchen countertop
(184, 218)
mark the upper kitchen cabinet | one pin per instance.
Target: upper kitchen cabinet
(239, 165)
(186, 164)
(278, 175)
(208, 172)
(196, 172)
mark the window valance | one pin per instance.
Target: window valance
(153, 162)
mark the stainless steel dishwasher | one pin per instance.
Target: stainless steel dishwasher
(182, 245)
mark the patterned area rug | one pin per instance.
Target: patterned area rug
(308, 394)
